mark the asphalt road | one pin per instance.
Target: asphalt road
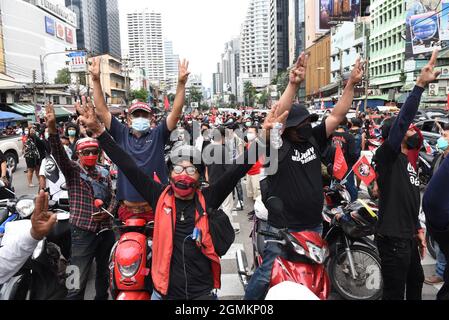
(231, 286)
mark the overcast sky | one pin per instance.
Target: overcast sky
(198, 28)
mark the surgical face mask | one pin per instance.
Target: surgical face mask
(27, 132)
(442, 144)
(251, 136)
(248, 124)
(71, 133)
(413, 142)
(141, 124)
(305, 132)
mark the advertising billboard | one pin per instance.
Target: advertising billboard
(69, 35)
(330, 12)
(60, 30)
(426, 27)
(78, 61)
(50, 26)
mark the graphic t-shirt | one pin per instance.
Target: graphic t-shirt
(55, 179)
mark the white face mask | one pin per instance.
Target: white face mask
(251, 136)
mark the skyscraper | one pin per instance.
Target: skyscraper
(230, 61)
(255, 45)
(146, 44)
(98, 26)
(171, 66)
(297, 31)
(279, 53)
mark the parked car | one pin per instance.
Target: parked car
(11, 146)
(430, 130)
(430, 114)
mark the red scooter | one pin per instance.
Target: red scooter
(300, 265)
(130, 259)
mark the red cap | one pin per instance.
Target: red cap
(86, 143)
(140, 106)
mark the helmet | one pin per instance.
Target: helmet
(86, 143)
(189, 153)
(361, 221)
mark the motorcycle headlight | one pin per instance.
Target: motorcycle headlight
(298, 249)
(317, 254)
(38, 251)
(25, 208)
(130, 270)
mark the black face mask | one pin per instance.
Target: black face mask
(413, 142)
(305, 132)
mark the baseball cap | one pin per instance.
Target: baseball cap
(298, 114)
(140, 106)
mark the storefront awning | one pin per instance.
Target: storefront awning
(10, 117)
(23, 109)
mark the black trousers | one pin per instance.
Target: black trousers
(442, 238)
(402, 271)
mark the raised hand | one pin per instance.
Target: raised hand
(357, 72)
(88, 117)
(183, 72)
(42, 221)
(94, 69)
(50, 118)
(274, 117)
(298, 73)
(428, 74)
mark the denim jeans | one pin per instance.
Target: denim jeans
(260, 281)
(86, 246)
(402, 271)
(441, 262)
(351, 187)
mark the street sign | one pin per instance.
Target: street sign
(78, 62)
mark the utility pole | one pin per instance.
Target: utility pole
(35, 94)
(366, 53)
(340, 86)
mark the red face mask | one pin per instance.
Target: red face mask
(184, 185)
(88, 161)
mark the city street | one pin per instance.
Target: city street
(231, 287)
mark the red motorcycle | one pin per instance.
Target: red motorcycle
(301, 264)
(130, 261)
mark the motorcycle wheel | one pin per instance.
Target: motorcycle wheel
(431, 245)
(369, 283)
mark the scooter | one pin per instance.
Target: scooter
(300, 265)
(130, 261)
(353, 264)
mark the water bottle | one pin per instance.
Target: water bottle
(275, 136)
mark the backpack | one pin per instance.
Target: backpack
(358, 142)
(100, 187)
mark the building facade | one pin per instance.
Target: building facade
(230, 64)
(32, 29)
(296, 30)
(318, 68)
(171, 67)
(146, 44)
(279, 33)
(387, 46)
(255, 45)
(98, 25)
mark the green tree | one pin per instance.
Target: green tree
(250, 93)
(141, 95)
(232, 100)
(282, 81)
(63, 76)
(195, 95)
(262, 98)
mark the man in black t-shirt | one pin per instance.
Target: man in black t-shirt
(297, 181)
(399, 234)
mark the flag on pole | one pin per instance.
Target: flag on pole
(340, 165)
(166, 104)
(364, 171)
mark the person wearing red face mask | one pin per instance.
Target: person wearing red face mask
(185, 263)
(92, 235)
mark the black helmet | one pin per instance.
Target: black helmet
(362, 221)
(189, 153)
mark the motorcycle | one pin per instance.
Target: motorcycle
(301, 264)
(44, 274)
(353, 264)
(130, 261)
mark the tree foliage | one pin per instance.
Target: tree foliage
(63, 76)
(141, 95)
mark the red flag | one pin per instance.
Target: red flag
(364, 171)
(166, 104)
(340, 165)
(156, 178)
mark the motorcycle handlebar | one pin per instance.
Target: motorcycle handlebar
(270, 234)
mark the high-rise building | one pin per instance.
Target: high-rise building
(279, 53)
(217, 82)
(255, 46)
(146, 44)
(296, 29)
(171, 67)
(387, 52)
(98, 25)
(230, 62)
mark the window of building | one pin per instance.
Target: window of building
(55, 100)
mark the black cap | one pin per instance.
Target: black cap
(298, 114)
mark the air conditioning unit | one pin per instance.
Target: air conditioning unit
(445, 72)
(433, 89)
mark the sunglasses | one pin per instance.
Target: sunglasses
(93, 152)
(189, 170)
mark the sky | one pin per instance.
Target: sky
(198, 29)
